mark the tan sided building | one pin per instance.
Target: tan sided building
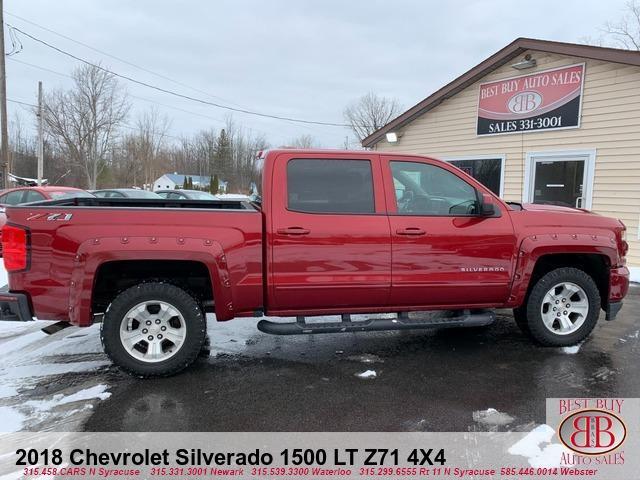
(542, 122)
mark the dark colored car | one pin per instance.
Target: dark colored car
(125, 193)
(186, 195)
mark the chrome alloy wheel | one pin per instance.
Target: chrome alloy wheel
(564, 308)
(153, 331)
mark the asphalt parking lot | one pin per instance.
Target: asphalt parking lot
(449, 380)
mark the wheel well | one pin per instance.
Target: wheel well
(595, 265)
(115, 277)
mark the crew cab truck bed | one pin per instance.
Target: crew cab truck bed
(337, 232)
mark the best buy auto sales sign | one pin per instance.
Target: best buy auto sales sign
(546, 100)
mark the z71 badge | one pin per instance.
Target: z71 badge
(51, 217)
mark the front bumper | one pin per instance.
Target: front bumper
(618, 283)
(14, 307)
(618, 288)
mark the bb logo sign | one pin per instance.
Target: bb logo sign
(524, 102)
(592, 432)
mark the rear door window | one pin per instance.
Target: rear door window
(330, 186)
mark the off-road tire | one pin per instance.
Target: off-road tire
(188, 307)
(535, 324)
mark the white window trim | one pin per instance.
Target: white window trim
(502, 157)
(590, 167)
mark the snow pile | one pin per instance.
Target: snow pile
(536, 446)
(492, 417)
(97, 391)
(367, 374)
(572, 350)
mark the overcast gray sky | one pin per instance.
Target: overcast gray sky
(296, 58)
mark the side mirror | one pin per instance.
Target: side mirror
(487, 207)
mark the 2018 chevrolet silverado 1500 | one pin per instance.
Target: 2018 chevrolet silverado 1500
(336, 233)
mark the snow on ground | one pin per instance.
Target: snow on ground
(367, 374)
(232, 196)
(572, 350)
(12, 420)
(48, 382)
(97, 391)
(536, 446)
(365, 358)
(230, 337)
(492, 417)
(635, 274)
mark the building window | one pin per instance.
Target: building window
(489, 170)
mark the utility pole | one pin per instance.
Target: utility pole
(40, 135)
(4, 132)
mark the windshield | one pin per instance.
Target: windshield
(59, 195)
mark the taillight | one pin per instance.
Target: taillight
(15, 248)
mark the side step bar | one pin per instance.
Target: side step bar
(460, 318)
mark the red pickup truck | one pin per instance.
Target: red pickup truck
(336, 233)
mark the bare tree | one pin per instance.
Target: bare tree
(625, 33)
(150, 139)
(84, 121)
(303, 141)
(369, 113)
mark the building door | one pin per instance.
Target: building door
(560, 179)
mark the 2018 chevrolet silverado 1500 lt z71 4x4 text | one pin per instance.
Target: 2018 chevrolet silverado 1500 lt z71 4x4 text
(336, 233)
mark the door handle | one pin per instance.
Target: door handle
(293, 231)
(410, 231)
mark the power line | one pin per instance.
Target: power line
(176, 94)
(127, 126)
(22, 103)
(40, 67)
(133, 65)
(120, 59)
(219, 120)
(197, 114)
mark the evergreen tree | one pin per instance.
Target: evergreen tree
(223, 155)
(185, 185)
(214, 185)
